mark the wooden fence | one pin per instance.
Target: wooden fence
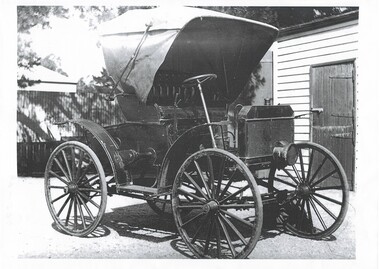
(37, 136)
(38, 111)
(33, 156)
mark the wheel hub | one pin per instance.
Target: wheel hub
(72, 187)
(211, 206)
(303, 190)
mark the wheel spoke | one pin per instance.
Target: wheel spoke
(227, 185)
(234, 194)
(221, 176)
(236, 231)
(63, 206)
(310, 165)
(309, 213)
(81, 154)
(291, 176)
(199, 229)
(212, 178)
(86, 207)
(209, 232)
(195, 185)
(73, 163)
(69, 211)
(318, 214)
(67, 164)
(61, 168)
(187, 185)
(324, 178)
(324, 207)
(188, 198)
(191, 195)
(192, 219)
(237, 218)
(88, 199)
(60, 178)
(94, 195)
(228, 238)
(59, 197)
(87, 181)
(75, 213)
(218, 247)
(302, 166)
(317, 171)
(285, 182)
(328, 188)
(297, 173)
(202, 178)
(81, 213)
(327, 198)
(57, 187)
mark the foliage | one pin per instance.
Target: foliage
(282, 16)
(289, 16)
(30, 16)
(53, 63)
(27, 18)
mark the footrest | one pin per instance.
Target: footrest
(137, 189)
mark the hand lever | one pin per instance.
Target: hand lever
(206, 113)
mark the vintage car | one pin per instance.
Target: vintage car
(187, 147)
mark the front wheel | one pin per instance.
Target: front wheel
(75, 188)
(316, 191)
(226, 214)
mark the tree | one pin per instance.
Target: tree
(282, 17)
(27, 18)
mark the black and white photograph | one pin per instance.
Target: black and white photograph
(173, 131)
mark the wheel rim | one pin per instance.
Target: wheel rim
(317, 192)
(75, 188)
(226, 210)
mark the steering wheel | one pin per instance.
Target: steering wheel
(198, 80)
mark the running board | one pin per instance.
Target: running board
(137, 189)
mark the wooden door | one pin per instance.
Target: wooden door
(333, 106)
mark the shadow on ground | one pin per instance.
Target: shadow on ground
(141, 222)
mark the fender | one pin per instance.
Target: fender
(109, 146)
(188, 143)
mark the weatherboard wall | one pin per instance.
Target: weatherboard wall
(294, 54)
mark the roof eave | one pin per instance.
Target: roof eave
(319, 23)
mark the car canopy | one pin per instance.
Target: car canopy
(183, 40)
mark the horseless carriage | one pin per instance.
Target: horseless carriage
(214, 167)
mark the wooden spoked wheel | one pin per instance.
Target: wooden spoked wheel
(75, 188)
(226, 214)
(317, 192)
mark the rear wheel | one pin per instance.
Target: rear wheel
(75, 188)
(317, 191)
(226, 210)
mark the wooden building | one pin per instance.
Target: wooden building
(315, 69)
